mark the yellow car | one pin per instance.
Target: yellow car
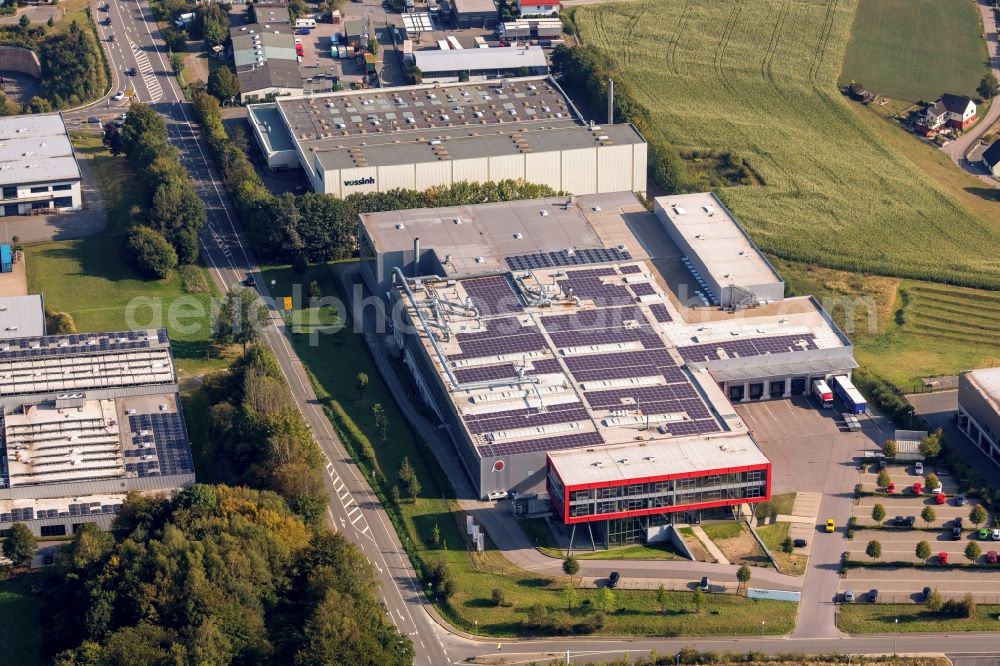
(831, 525)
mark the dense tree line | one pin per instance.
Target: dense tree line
(259, 438)
(217, 575)
(320, 227)
(165, 233)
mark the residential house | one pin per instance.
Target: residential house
(991, 159)
(535, 7)
(956, 111)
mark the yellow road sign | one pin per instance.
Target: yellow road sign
(288, 302)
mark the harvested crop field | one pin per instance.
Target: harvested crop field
(760, 80)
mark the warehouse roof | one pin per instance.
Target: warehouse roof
(722, 245)
(657, 459)
(21, 316)
(987, 382)
(474, 6)
(35, 148)
(253, 44)
(505, 57)
(271, 74)
(271, 13)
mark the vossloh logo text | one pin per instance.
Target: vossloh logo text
(370, 180)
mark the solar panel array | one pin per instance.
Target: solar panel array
(74, 510)
(4, 470)
(588, 284)
(17, 515)
(493, 295)
(642, 289)
(489, 373)
(536, 260)
(169, 439)
(574, 441)
(614, 325)
(77, 343)
(515, 419)
(660, 312)
(629, 270)
(505, 335)
(778, 344)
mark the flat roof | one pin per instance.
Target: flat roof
(267, 120)
(630, 462)
(504, 57)
(987, 382)
(486, 234)
(720, 242)
(21, 316)
(474, 6)
(35, 148)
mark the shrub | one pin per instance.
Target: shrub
(150, 252)
(59, 323)
(193, 278)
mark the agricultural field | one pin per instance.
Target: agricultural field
(763, 84)
(906, 329)
(916, 49)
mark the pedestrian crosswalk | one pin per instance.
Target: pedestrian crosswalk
(146, 70)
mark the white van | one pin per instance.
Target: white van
(305, 23)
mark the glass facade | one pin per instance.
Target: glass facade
(671, 495)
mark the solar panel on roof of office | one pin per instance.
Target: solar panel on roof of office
(660, 312)
(493, 295)
(65, 345)
(779, 344)
(642, 289)
(629, 270)
(574, 441)
(537, 260)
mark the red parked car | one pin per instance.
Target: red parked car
(942, 558)
(891, 488)
(991, 557)
(939, 498)
(918, 488)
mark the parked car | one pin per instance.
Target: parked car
(872, 596)
(613, 579)
(960, 500)
(891, 488)
(119, 96)
(984, 534)
(939, 498)
(942, 558)
(925, 594)
(94, 120)
(800, 543)
(831, 525)
(996, 535)
(918, 488)
(918, 468)
(882, 464)
(848, 596)
(903, 521)
(991, 557)
(956, 530)
(704, 584)
(937, 489)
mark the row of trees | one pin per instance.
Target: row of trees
(259, 438)
(317, 227)
(166, 232)
(217, 575)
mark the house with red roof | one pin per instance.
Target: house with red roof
(534, 7)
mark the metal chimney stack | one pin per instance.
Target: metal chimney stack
(611, 101)
(416, 257)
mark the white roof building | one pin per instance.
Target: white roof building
(37, 167)
(22, 317)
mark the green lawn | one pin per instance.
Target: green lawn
(772, 535)
(760, 80)
(92, 279)
(783, 503)
(916, 49)
(20, 630)
(861, 618)
(334, 359)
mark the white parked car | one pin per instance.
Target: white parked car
(119, 96)
(996, 535)
(919, 468)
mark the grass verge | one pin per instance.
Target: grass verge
(92, 279)
(736, 542)
(881, 618)
(334, 359)
(794, 563)
(20, 624)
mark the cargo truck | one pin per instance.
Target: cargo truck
(850, 396)
(821, 391)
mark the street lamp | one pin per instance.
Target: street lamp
(896, 629)
(475, 654)
(762, 627)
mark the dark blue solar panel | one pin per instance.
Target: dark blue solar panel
(660, 312)
(779, 344)
(536, 260)
(170, 445)
(642, 289)
(525, 418)
(575, 441)
(64, 345)
(629, 270)
(492, 295)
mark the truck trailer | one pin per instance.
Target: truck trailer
(821, 391)
(850, 396)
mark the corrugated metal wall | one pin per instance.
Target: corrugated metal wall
(579, 168)
(544, 168)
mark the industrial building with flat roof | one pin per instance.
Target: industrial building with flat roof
(38, 170)
(84, 419)
(447, 66)
(22, 316)
(417, 137)
(543, 330)
(979, 409)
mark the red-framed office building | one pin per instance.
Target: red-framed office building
(632, 492)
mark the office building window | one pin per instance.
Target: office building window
(38, 189)
(53, 530)
(63, 202)
(753, 491)
(754, 475)
(10, 192)
(62, 188)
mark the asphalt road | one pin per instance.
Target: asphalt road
(354, 508)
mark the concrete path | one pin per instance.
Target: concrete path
(960, 146)
(709, 545)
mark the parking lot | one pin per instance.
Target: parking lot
(912, 505)
(905, 585)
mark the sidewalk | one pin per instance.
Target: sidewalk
(709, 545)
